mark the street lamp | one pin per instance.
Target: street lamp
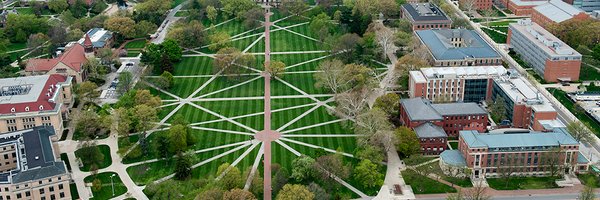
(112, 184)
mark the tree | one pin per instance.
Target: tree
(162, 55)
(276, 68)
(96, 184)
(57, 34)
(351, 103)
(237, 8)
(488, 15)
(587, 193)
(596, 52)
(294, 7)
(19, 27)
(468, 6)
(177, 139)
(144, 97)
(105, 54)
(87, 92)
(408, 63)
(74, 34)
(123, 121)
(144, 115)
(295, 192)
(183, 166)
(580, 132)
(95, 69)
(36, 42)
(373, 125)
(370, 152)
(497, 109)
(238, 194)
(252, 18)
(122, 25)
(90, 154)
(232, 179)
(125, 82)
(211, 194)
(58, 6)
(388, 103)
(368, 174)
(188, 35)
(280, 179)
(229, 60)
(345, 46)
(211, 14)
(331, 77)
(78, 8)
(553, 162)
(302, 168)
(321, 25)
(369, 49)
(408, 143)
(165, 80)
(144, 28)
(151, 10)
(319, 192)
(331, 164)
(384, 35)
(402, 38)
(577, 32)
(218, 40)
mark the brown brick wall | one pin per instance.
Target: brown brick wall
(562, 69)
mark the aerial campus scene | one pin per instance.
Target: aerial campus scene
(300, 99)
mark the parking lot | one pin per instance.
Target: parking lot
(109, 92)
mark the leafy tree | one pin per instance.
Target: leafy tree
(388, 103)
(237, 8)
(369, 49)
(375, 128)
(183, 166)
(229, 60)
(96, 184)
(331, 164)
(587, 193)
(295, 192)
(162, 55)
(302, 168)
(144, 115)
(351, 103)
(211, 14)
(319, 192)
(368, 174)
(86, 91)
(253, 17)
(370, 152)
(238, 194)
(321, 25)
(596, 52)
(74, 34)
(218, 40)
(165, 80)
(408, 63)
(280, 179)
(403, 38)
(58, 6)
(78, 8)
(105, 54)
(276, 68)
(294, 7)
(232, 179)
(160, 145)
(408, 143)
(577, 32)
(177, 140)
(125, 82)
(152, 10)
(144, 97)
(345, 46)
(122, 25)
(144, 28)
(169, 189)
(331, 77)
(188, 35)
(57, 34)
(36, 42)
(123, 121)
(90, 154)
(497, 109)
(404, 25)
(95, 70)
(211, 194)
(580, 132)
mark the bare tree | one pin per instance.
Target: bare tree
(478, 192)
(376, 128)
(331, 77)
(350, 104)
(468, 6)
(506, 172)
(552, 161)
(385, 36)
(579, 131)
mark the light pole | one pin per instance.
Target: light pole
(112, 184)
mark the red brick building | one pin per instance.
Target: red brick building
(521, 153)
(522, 7)
(480, 4)
(433, 122)
(425, 16)
(556, 11)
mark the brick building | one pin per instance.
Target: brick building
(522, 7)
(427, 119)
(454, 84)
(457, 47)
(27, 102)
(425, 16)
(525, 106)
(524, 153)
(550, 57)
(69, 63)
(479, 4)
(29, 168)
(554, 12)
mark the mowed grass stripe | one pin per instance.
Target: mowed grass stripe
(193, 114)
(279, 119)
(286, 41)
(278, 88)
(184, 87)
(305, 82)
(250, 89)
(286, 103)
(200, 65)
(234, 108)
(209, 139)
(317, 116)
(345, 144)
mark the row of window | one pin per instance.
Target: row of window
(28, 194)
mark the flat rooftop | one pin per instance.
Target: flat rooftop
(529, 2)
(543, 39)
(440, 44)
(521, 93)
(557, 10)
(463, 72)
(419, 109)
(23, 89)
(559, 136)
(425, 12)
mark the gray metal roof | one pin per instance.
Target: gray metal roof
(560, 136)
(54, 169)
(439, 44)
(429, 130)
(419, 109)
(557, 10)
(446, 109)
(38, 147)
(454, 158)
(424, 12)
(98, 36)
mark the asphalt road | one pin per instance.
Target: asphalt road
(164, 27)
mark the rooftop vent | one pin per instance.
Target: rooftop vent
(37, 157)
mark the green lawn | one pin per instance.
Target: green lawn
(138, 44)
(588, 73)
(497, 37)
(106, 191)
(584, 178)
(175, 3)
(454, 145)
(435, 168)
(182, 13)
(424, 185)
(105, 150)
(522, 183)
(16, 46)
(579, 113)
(502, 23)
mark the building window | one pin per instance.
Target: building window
(61, 195)
(46, 118)
(60, 187)
(42, 191)
(51, 188)
(12, 128)
(11, 121)
(27, 194)
(19, 196)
